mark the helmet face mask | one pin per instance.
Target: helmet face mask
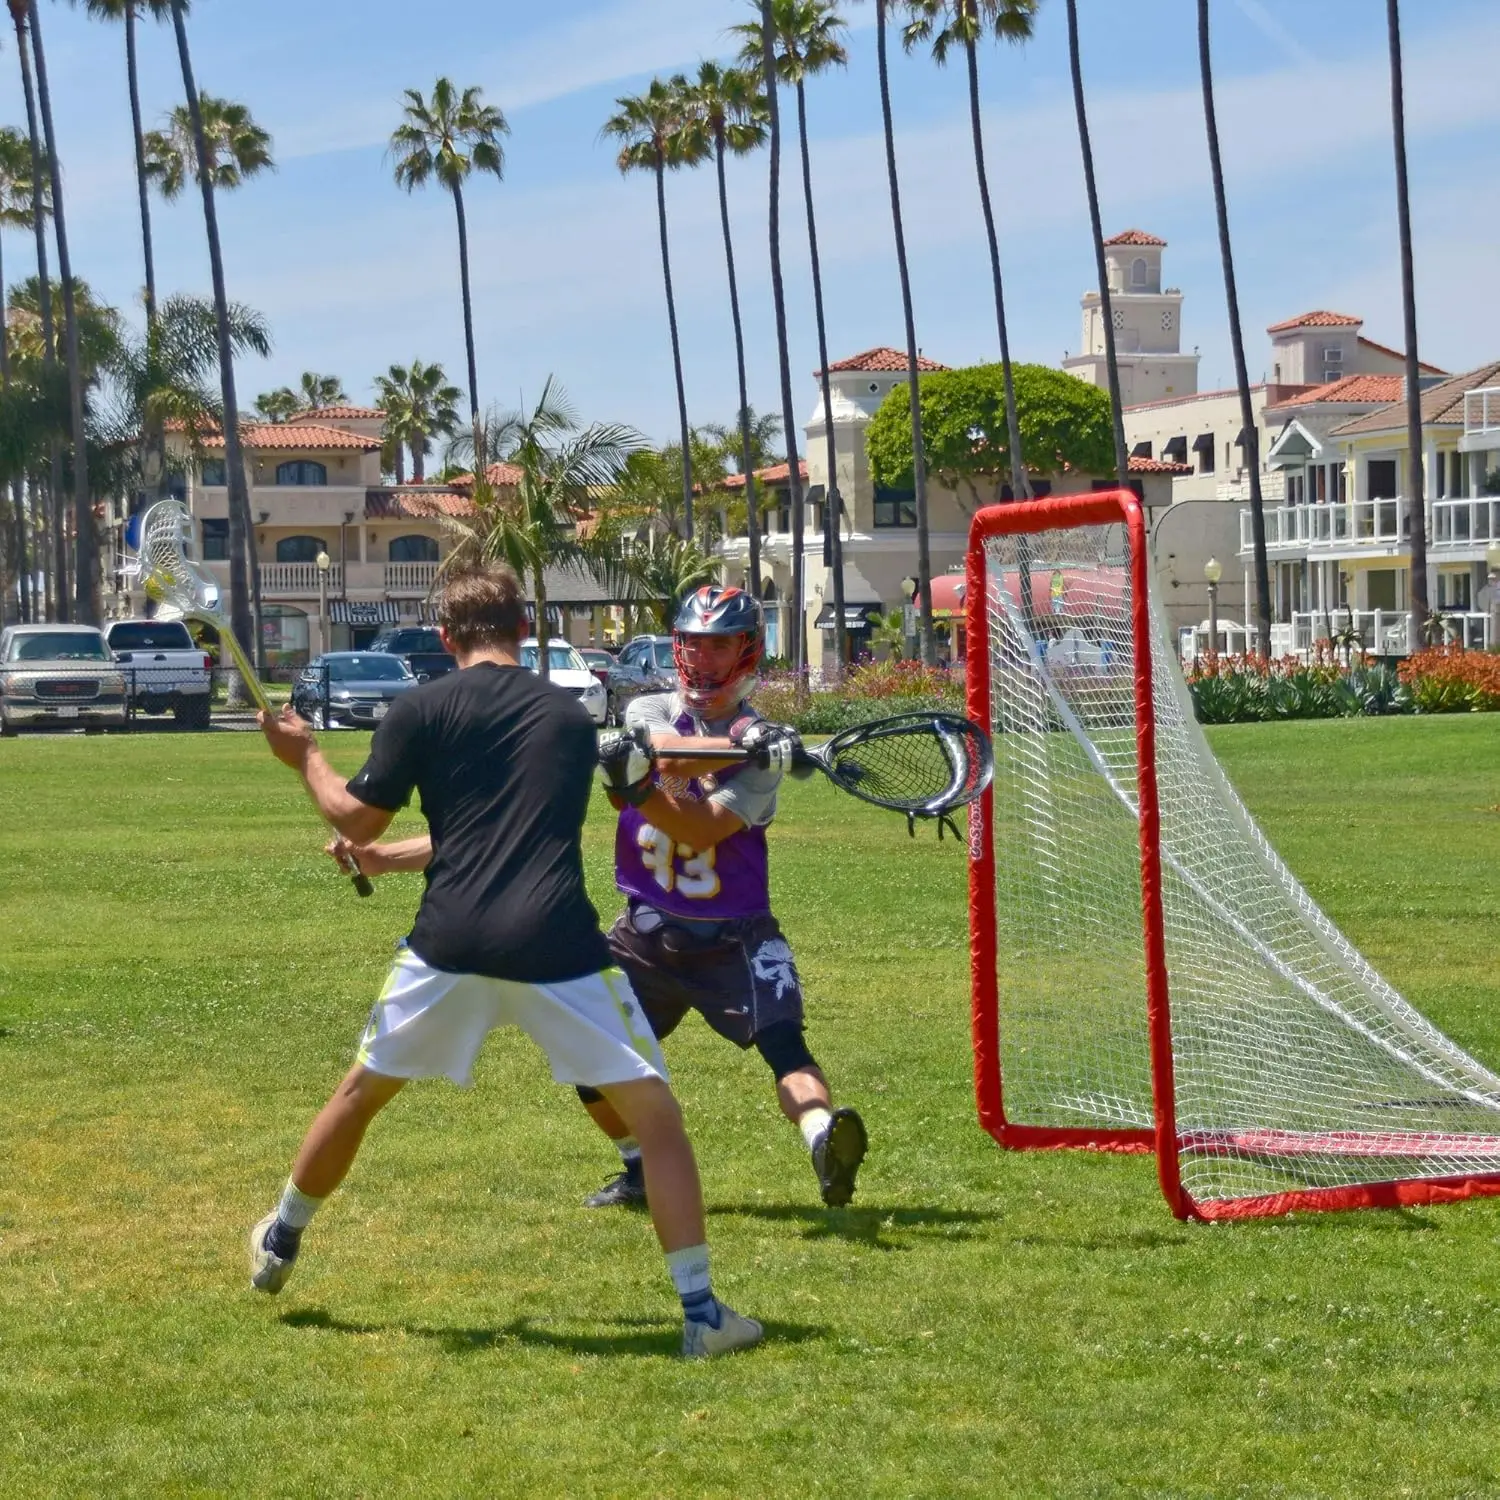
(725, 613)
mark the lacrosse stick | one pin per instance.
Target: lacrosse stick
(925, 765)
(185, 592)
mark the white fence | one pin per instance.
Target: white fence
(1357, 524)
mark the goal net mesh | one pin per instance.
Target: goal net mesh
(1297, 1070)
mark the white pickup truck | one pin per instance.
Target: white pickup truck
(164, 669)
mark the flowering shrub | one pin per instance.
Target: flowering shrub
(868, 690)
(1449, 679)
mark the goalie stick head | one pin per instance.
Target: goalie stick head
(923, 764)
(170, 576)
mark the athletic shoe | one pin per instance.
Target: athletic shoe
(836, 1157)
(625, 1189)
(268, 1271)
(701, 1341)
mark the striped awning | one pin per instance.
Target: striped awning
(364, 612)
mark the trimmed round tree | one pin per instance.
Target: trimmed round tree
(1064, 422)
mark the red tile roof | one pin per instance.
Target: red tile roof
(777, 474)
(1144, 465)
(1319, 319)
(394, 505)
(882, 361)
(339, 414)
(300, 437)
(1369, 389)
(1135, 237)
(1442, 405)
(1397, 354)
(502, 476)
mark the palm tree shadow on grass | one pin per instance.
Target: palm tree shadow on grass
(863, 1225)
(636, 1336)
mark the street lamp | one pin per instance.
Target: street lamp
(1213, 571)
(323, 563)
(1492, 562)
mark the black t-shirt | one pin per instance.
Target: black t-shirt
(504, 763)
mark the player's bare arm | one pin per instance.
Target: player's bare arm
(395, 857)
(700, 825)
(292, 743)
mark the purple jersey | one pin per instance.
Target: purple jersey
(730, 880)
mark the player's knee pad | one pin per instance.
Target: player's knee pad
(588, 1095)
(784, 1048)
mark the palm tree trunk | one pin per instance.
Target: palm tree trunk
(834, 505)
(928, 639)
(87, 583)
(796, 646)
(1085, 145)
(1416, 493)
(133, 74)
(1020, 483)
(543, 658)
(17, 504)
(682, 416)
(480, 458)
(747, 461)
(419, 458)
(244, 567)
(1248, 435)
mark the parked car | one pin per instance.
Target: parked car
(360, 688)
(651, 656)
(166, 670)
(58, 677)
(621, 683)
(568, 670)
(420, 647)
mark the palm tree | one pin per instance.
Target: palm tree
(796, 643)
(658, 571)
(244, 566)
(234, 145)
(647, 126)
(420, 404)
(448, 138)
(561, 465)
(965, 24)
(16, 209)
(729, 117)
(317, 391)
(278, 405)
(1416, 504)
(1096, 228)
(1249, 438)
(87, 600)
(807, 42)
(919, 454)
(127, 11)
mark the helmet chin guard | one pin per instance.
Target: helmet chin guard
(717, 611)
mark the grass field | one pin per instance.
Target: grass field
(182, 979)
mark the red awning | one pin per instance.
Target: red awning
(948, 592)
(1086, 589)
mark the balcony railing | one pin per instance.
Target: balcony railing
(1482, 411)
(301, 580)
(1381, 632)
(410, 577)
(1358, 524)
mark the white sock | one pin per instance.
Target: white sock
(629, 1149)
(812, 1123)
(296, 1208)
(689, 1270)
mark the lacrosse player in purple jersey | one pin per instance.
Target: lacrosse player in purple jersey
(690, 857)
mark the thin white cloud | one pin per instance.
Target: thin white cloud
(1275, 32)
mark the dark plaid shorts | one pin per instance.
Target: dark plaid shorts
(740, 975)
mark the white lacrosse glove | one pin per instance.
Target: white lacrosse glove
(625, 767)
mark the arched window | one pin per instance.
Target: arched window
(300, 549)
(301, 471)
(1138, 271)
(768, 590)
(418, 549)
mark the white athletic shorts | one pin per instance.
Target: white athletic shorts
(428, 1023)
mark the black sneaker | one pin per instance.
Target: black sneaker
(625, 1189)
(837, 1156)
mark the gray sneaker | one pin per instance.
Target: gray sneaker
(699, 1341)
(268, 1272)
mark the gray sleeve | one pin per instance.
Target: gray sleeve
(651, 711)
(750, 796)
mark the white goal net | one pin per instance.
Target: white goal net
(1231, 1026)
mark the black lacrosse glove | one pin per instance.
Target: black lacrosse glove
(625, 768)
(775, 747)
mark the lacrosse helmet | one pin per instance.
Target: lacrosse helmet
(713, 610)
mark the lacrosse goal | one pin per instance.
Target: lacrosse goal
(1147, 973)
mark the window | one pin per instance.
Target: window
(373, 668)
(59, 645)
(1203, 446)
(215, 541)
(1166, 321)
(299, 549)
(1382, 473)
(1141, 450)
(559, 658)
(301, 471)
(1380, 584)
(1138, 271)
(414, 549)
(1455, 591)
(1119, 320)
(150, 635)
(895, 508)
(212, 472)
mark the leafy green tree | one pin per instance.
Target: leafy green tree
(649, 128)
(420, 404)
(1064, 423)
(965, 23)
(100, 328)
(318, 391)
(447, 139)
(728, 117)
(235, 147)
(278, 405)
(808, 41)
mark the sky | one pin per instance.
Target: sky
(354, 274)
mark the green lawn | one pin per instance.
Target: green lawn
(182, 979)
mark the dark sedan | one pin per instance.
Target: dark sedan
(350, 689)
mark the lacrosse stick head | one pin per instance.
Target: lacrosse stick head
(922, 764)
(171, 577)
